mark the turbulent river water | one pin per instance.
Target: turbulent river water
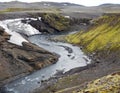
(70, 56)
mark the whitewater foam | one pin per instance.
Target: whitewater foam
(15, 28)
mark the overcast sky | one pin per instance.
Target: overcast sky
(82, 2)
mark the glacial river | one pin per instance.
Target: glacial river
(70, 57)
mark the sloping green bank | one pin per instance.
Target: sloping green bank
(103, 38)
(103, 35)
(106, 84)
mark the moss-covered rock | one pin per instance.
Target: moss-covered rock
(49, 23)
(56, 21)
(103, 35)
(106, 84)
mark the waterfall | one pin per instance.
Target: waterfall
(15, 28)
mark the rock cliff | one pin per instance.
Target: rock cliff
(17, 60)
(50, 23)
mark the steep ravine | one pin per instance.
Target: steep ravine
(19, 57)
(70, 57)
(102, 43)
(21, 60)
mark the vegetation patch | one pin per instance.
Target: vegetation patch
(54, 10)
(103, 35)
(56, 21)
(106, 84)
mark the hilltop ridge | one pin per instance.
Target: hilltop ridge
(62, 7)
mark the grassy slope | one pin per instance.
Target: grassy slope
(44, 10)
(104, 34)
(106, 84)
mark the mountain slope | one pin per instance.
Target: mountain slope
(106, 84)
(103, 35)
(36, 5)
(62, 7)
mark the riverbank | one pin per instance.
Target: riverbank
(61, 81)
(32, 57)
(77, 77)
(104, 62)
(70, 57)
(20, 60)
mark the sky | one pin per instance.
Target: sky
(81, 2)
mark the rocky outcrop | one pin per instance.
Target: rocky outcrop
(56, 21)
(16, 60)
(106, 84)
(49, 23)
(42, 27)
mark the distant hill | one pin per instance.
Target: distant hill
(65, 7)
(114, 8)
(103, 35)
(18, 4)
(109, 5)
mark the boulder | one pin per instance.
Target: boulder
(4, 36)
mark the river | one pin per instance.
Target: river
(70, 57)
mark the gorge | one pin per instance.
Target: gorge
(69, 56)
(69, 49)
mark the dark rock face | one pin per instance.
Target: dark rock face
(49, 23)
(3, 35)
(42, 27)
(16, 60)
(55, 23)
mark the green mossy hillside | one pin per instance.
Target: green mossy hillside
(17, 10)
(56, 21)
(104, 34)
(106, 84)
(42, 10)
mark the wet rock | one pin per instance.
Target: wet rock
(39, 82)
(73, 57)
(67, 48)
(39, 25)
(68, 55)
(3, 35)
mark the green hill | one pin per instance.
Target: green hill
(104, 34)
(106, 84)
(102, 39)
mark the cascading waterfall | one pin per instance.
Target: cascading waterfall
(15, 28)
